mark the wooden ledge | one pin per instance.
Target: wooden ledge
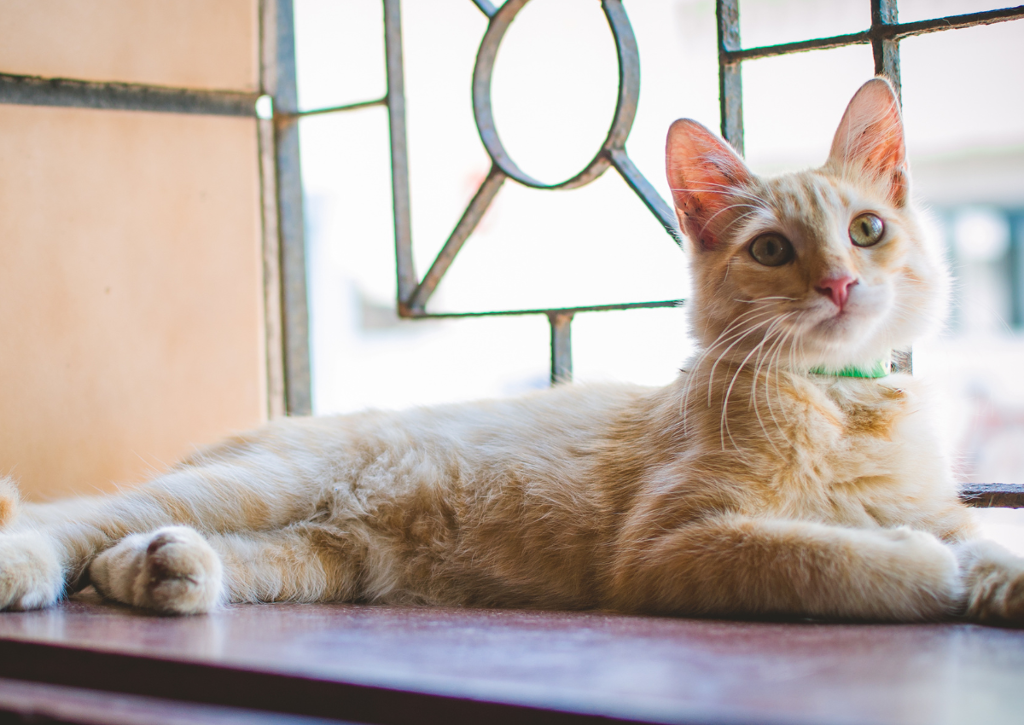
(416, 665)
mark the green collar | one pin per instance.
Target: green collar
(879, 369)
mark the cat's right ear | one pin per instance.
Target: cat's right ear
(703, 173)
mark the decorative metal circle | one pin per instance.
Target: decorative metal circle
(625, 108)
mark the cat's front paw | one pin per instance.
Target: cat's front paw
(172, 570)
(998, 598)
(994, 584)
(921, 578)
(31, 576)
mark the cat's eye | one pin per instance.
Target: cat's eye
(866, 230)
(771, 250)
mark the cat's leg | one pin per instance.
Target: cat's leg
(31, 575)
(994, 582)
(174, 570)
(31, 572)
(263, 480)
(44, 553)
(736, 565)
(304, 562)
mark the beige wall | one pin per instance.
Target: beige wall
(131, 316)
(209, 44)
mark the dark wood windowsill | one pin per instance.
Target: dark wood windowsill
(418, 665)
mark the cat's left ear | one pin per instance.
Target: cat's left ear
(870, 139)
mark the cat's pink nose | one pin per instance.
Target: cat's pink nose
(837, 289)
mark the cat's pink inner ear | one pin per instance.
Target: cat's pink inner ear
(870, 138)
(703, 173)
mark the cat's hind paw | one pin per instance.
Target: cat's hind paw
(31, 576)
(171, 570)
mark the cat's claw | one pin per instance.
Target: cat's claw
(30, 572)
(172, 570)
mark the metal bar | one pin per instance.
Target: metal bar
(483, 112)
(892, 31)
(886, 49)
(406, 270)
(268, 47)
(993, 495)
(769, 51)
(298, 388)
(549, 310)
(65, 92)
(1015, 268)
(955, 22)
(470, 218)
(336, 109)
(730, 79)
(486, 7)
(628, 54)
(625, 106)
(647, 193)
(273, 323)
(273, 319)
(902, 361)
(561, 347)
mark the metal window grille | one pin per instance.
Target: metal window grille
(413, 292)
(284, 250)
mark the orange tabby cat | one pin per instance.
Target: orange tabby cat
(769, 478)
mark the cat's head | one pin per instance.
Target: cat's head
(828, 267)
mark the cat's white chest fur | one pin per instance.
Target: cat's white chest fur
(880, 459)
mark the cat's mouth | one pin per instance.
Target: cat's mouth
(865, 305)
(840, 321)
(854, 324)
